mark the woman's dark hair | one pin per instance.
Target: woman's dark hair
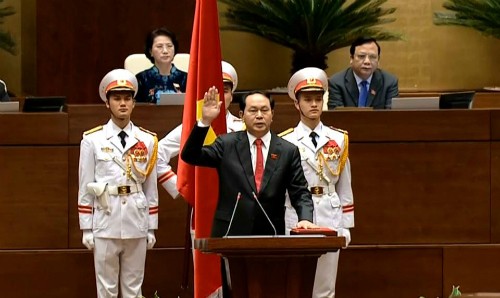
(243, 101)
(151, 37)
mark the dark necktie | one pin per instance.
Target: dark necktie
(313, 136)
(259, 165)
(122, 136)
(363, 94)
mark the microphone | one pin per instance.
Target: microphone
(265, 213)
(238, 197)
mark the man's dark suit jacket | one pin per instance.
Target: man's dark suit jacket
(230, 155)
(343, 90)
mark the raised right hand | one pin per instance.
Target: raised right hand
(211, 107)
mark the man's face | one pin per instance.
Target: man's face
(163, 49)
(257, 115)
(310, 104)
(365, 60)
(228, 94)
(121, 104)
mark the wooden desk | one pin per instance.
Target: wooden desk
(33, 180)
(482, 99)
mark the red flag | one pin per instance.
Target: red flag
(199, 185)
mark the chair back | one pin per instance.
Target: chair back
(181, 61)
(136, 63)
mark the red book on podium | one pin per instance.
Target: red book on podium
(316, 231)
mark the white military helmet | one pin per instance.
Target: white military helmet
(307, 79)
(118, 80)
(229, 74)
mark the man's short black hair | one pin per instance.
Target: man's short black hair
(361, 41)
(243, 101)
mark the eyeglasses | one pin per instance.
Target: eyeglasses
(362, 57)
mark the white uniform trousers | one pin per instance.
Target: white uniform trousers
(326, 275)
(119, 261)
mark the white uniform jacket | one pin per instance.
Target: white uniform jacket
(327, 170)
(169, 147)
(130, 175)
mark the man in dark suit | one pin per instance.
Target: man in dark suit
(363, 84)
(239, 165)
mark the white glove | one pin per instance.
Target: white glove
(88, 239)
(151, 239)
(345, 233)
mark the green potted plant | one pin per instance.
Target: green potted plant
(311, 28)
(481, 15)
(7, 43)
(455, 292)
(155, 295)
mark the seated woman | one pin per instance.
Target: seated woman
(163, 77)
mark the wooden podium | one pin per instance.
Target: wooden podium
(269, 266)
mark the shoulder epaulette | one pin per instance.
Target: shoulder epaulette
(339, 130)
(284, 133)
(145, 130)
(97, 128)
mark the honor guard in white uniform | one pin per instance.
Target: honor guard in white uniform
(169, 146)
(324, 155)
(118, 195)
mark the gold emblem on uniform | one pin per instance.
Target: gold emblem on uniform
(106, 149)
(121, 82)
(311, 81)
(139, 152)
(331, 150)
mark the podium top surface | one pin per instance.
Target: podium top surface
(260, 245)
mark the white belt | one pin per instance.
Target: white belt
(124, 189)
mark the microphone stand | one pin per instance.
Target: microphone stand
(265, 213)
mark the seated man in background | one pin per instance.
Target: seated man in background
(4, 95)
(363, 84)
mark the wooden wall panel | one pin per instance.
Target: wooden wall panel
(70, 273)
(395, 126)
(78, 42)
(390, 126)
(424, 192)
(26, 128)
(495, 191)
(495, 125)
(33, 196)
(159, 119)
(412, 186)
(474, 268)
(390, 273)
